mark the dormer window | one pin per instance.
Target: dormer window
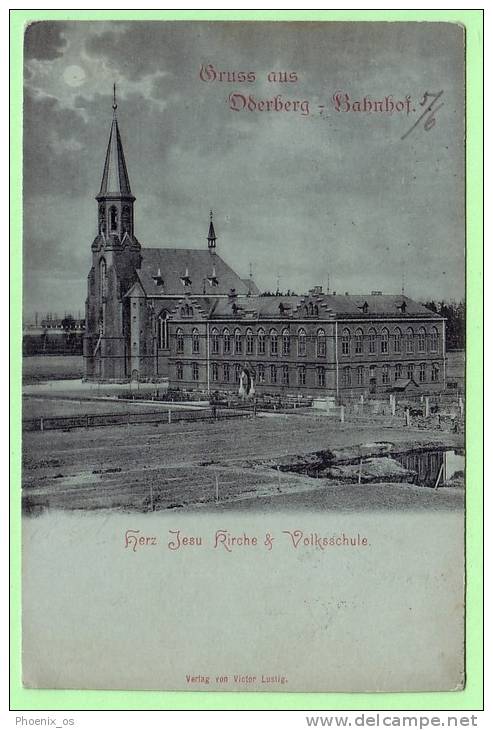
(186, 280)
(186, 311)
(158, 279)
(212, 279)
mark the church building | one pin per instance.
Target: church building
(184, 316)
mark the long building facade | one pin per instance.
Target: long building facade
(185, 317)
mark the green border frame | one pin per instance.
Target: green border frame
(471, 698)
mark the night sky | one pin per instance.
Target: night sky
(296, 195)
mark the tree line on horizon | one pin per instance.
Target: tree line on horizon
(455, 327)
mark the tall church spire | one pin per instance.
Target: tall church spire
(115, 212)
(115, 180)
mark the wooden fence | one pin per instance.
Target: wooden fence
(87, 420)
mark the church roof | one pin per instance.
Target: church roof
(115, 176)
(167, 271)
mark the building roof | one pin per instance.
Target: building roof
(115, 180)
(178, 271)
(327, 307)
(251, 286)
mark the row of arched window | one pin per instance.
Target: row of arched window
(284, 375)
(275, 343)
(420, 373)
(113, 219)
(261, 342)
(409, 341)
(274, 374)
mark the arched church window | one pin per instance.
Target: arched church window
(126, 218)
(261, 342)
(102, 279)
(195, 341)
(102, 219)
(180, 343)
(238, 342)
(302, 343)
(113, 218)
(163, 333)
(91, 281)
(226, 341)
(286, 342)
(215, 341)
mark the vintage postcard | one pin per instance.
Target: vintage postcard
(243, 356)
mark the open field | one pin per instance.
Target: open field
(38, 368)
(162, 466)
(44, 407)
(34, 407)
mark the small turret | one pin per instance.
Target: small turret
(211, 238)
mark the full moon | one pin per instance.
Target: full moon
(74, 75)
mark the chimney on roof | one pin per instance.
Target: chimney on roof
(346, 294)
(334, 293)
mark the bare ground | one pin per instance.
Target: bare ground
(162, 466)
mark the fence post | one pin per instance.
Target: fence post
(152, 499)
(169, 415)
(408, 417)
(359, 471)
(461, 406)
(393, 405)
(438, 477)
(427, 406)
(217, 489)
(41, 424)
(342, 414)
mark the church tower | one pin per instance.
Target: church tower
(115, 259)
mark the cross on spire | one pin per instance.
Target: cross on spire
(115, 105)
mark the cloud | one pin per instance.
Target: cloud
(331, 191)
(44, 40)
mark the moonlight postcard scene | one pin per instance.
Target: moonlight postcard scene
(243, 356)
